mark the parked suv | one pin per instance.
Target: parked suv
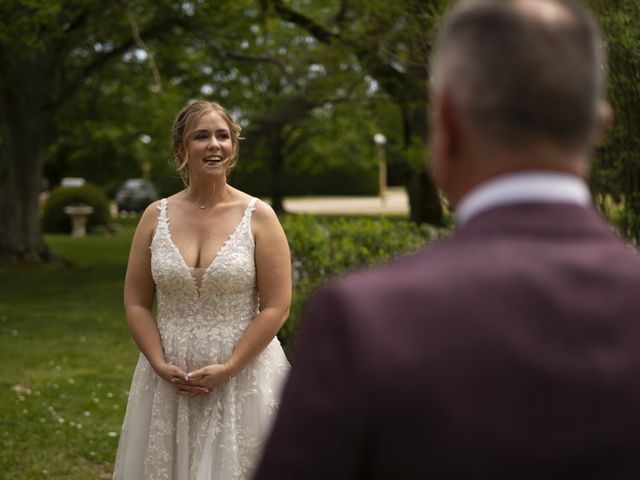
(135, 194)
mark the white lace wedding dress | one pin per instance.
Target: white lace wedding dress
(166, 436)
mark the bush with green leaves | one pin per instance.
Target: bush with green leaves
(323, 247)
(54, 220)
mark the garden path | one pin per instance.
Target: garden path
(396, 203)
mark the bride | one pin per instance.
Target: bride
(217, 263)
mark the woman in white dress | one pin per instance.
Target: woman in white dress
(217, 262)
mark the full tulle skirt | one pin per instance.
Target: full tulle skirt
(166, 436)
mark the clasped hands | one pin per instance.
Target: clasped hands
(198, 382)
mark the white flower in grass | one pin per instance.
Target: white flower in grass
(109, 395)
(21, 388)
(86, 413)
(14, 333)
(71, 381)
(112, 434)
(83, 339)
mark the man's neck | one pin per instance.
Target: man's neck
(484, 164)
(523, 187)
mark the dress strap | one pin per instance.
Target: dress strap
(251, 207)
(163, 209)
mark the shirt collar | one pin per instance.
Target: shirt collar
(522, 187)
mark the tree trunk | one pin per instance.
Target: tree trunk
(25, 120)
(276, 147)
(424, 200)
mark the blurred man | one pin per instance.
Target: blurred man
(512, 349)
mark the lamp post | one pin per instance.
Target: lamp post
(146, 166)
(380, 140)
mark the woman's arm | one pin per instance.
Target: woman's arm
(273, 270)
(139, 291)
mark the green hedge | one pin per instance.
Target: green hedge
(54, 220)
(325, 246)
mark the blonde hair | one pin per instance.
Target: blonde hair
(183, 126)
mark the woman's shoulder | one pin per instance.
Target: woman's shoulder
(262, 211)
(151, 212)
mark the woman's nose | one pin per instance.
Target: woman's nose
(213, 143)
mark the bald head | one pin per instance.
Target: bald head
(523, 71)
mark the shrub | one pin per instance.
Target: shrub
(325, 246)
(55, 220)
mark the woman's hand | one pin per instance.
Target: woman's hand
(180, 379)
(210, 376)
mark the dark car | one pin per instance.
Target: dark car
(135, 194)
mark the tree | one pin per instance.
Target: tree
(277, 78)
(392, 42)
(48, 50)
(616, 170)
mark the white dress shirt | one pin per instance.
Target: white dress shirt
(522, 187)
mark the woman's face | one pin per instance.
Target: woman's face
(209, 147)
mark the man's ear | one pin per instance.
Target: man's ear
(444, 139)
(448, 126)
(604, 120)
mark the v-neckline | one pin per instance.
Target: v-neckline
(216, 256)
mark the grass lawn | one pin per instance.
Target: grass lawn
(67, 361)
(67, 357)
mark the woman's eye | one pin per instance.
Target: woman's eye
(201, 136)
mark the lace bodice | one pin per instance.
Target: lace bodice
(228, 292)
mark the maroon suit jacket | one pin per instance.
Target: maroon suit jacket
(509, 351)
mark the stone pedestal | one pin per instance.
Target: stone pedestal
(79, 215)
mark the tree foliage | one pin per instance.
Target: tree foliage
(616, 173)
(309, 81)
(391, 42)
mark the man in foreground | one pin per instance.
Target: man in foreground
(512, 349)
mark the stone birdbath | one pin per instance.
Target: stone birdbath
(79, 215)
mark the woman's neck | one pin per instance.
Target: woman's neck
(207, 194)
